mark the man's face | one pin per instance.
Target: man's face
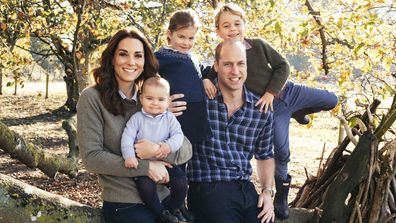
(231, 67)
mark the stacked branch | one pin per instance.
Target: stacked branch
(357, 186)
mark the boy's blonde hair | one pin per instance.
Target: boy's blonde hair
(156, 81)
(229, 7)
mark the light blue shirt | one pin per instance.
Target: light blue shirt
(161, 128)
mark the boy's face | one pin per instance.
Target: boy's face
(231, 26)
(154, 99)
(183, 39)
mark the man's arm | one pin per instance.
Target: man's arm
(265, 171)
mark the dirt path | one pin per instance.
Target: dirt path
(32, 116)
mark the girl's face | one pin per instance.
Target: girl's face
(128, 61)
(183, 39)
(230, 26)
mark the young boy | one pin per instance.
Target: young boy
(156, 124)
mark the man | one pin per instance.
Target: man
(219, 172)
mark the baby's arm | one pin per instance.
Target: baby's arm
(175, 140)
(127, 142)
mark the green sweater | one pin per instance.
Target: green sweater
(99, 140)
(267, 70)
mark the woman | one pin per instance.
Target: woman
(102, 113)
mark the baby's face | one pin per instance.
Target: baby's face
(154, 99)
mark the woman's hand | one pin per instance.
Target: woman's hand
(157, 171)
(177, 107)
(265, 102)
(210, 88)
(145, 149)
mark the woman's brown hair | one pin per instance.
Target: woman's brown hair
(104, 75)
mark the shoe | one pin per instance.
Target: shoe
(167, 217)
(179, 216)
(280, 201)
(188, 215)
(301, 118)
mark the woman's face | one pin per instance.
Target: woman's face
(230, 26)
(128, 61)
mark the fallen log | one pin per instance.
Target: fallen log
(34, 156)
(21, 202)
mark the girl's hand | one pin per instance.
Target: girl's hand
(145, 149)
(210, 88)
(177, 107)
(265, 102)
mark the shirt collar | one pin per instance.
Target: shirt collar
(151, 116)
(123, 96)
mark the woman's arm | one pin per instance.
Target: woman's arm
(90, 129)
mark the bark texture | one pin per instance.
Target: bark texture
(20, 202)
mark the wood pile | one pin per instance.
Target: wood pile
(359, 185)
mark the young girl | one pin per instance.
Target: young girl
(181, 68)
(267, 75)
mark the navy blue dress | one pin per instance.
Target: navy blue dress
(184, 72)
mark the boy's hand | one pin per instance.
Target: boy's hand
(265, 102)
(164, 151)
(131, 162)
(210, 88)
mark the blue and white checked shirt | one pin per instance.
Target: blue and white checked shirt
(226, 156)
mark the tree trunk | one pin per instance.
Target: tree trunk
(72, 92)
(1, 81)
(33, 156)
(21, 202)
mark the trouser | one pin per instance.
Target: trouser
(114, 212)
(294, 97)
(178, 188)
(223, 202)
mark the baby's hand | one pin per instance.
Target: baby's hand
(265, 101)
(210, 88)
(131, 162)
(163, 151)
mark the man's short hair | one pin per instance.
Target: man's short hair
(219, 47)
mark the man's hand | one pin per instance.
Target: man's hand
(265, 101)
(131, 162)
(210, 88)
(177, 107)
(267, 213)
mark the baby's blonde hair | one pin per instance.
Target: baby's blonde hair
(156, 81)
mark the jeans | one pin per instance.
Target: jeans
(127, 213)
(294, 97)
(223, 202)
